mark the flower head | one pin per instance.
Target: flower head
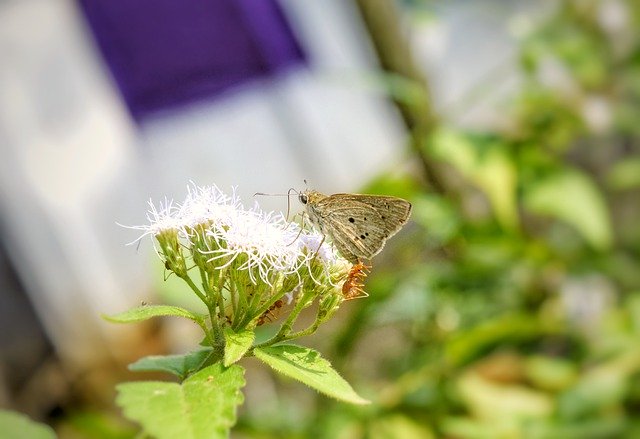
(251, 263)
(221, 233)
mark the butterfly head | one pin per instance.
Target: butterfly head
(310, 197)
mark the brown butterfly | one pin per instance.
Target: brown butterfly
(358, 225)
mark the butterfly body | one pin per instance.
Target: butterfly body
(357, 224)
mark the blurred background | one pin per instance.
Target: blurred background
(509, 307)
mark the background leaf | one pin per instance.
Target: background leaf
(16, 425)
(574, 198)
(308, 367)
(625, 174)
(484, 161)
(203, 406)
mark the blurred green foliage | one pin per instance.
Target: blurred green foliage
(510, 307)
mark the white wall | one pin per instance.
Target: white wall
(73, 163)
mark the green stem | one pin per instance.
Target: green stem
(209, 301)
(302, 333)
(222, 280)
(207, 333)
(239, 293)
(221, 307)
(203, 297)
(233, 296)
(246, 314)
(252, 313)
(284, 332)
(266, 305)
(195, 289)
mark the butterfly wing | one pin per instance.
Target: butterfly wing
(359, 225)
(393, 212)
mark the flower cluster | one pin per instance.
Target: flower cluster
(248, 260)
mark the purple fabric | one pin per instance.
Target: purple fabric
(167, 53)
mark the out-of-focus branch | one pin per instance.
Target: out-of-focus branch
(383, 23)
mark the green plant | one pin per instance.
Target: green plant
(249, 264)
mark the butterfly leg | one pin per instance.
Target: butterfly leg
(299, 231)
(318, 249)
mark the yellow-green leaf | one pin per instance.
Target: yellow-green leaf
(236, 344)
(573, 197)
(146, 312)
(486, 164)
(180, 365)
(308, 367)
(203, 406)
(16, 425)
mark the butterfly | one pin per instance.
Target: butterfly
(357, 224)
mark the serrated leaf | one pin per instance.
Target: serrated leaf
(307, 366)
(146, 312)
(574, 198)
(16, 425)
(180, 365)
(204, 405)
(236, 344)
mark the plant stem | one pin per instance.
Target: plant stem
(195, 289)
(209, 301)
(204, 298)
(233, 297)
(285, 329)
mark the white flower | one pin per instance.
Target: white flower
(209, 204)
(266, 241)
(163, 218)
(202, 205)
(312, 243)
(263, 243)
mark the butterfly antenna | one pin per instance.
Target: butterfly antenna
(270, 195)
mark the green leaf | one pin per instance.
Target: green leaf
(96, 423)
(204, 405)
(180, 365)
(437, 215)
(486, 164)
(494, 401)
(236, 344)
(549, 373)
(146, 312)
(574, 198)
(508, 329)
(625, 174)
(308, 367)
(16, 425)
(398, 425)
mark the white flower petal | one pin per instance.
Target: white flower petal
(269, 243)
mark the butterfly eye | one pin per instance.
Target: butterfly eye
(303, 198)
